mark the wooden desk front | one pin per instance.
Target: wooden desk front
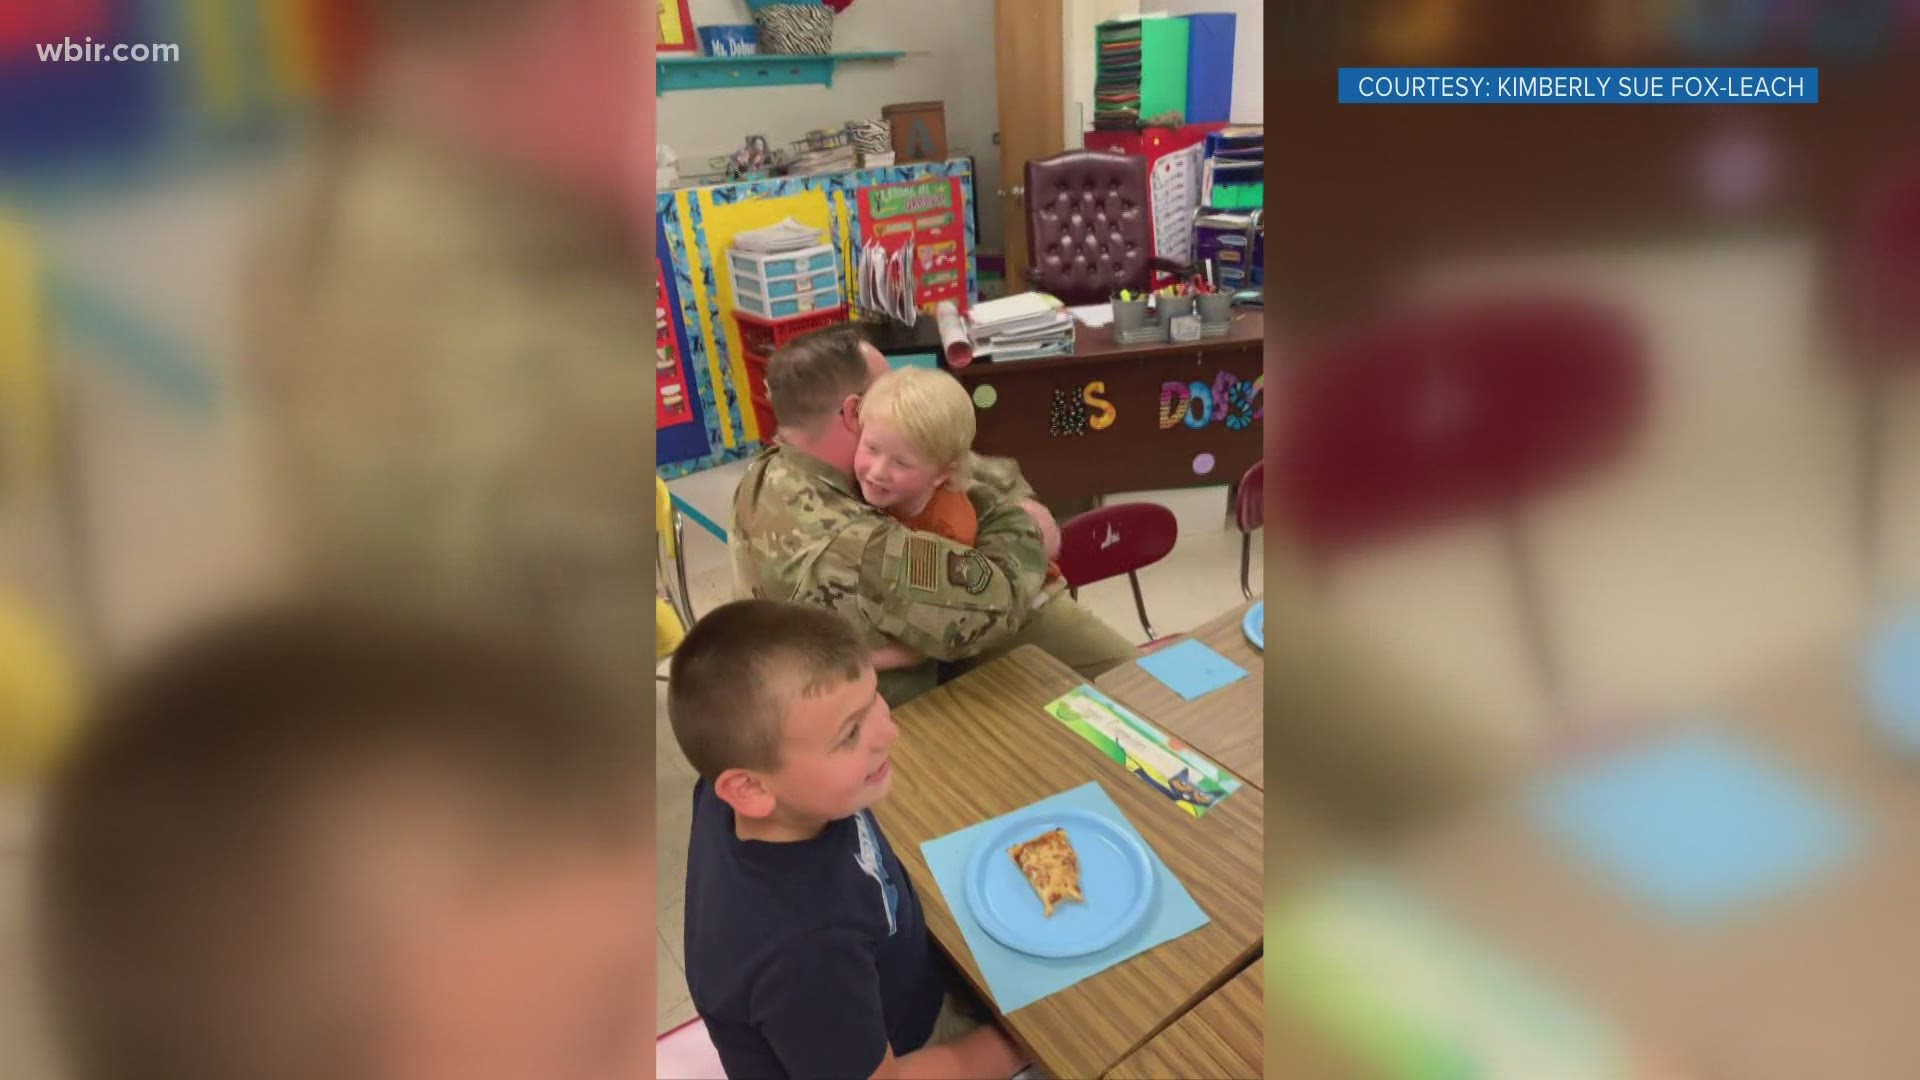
(1146, 427)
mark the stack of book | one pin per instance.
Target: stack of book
(1140, 73)
(1027, 326)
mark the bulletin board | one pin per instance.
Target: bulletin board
(697, 224)
(723, 222)
(679, 431)
(929, 212)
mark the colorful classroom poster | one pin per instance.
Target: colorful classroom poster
(1163, 763)
(929, 212)
(676, 28)
(671, 398)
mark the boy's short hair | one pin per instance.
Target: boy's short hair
(932, 409)
(729, 685)
(184, 833)
(808, 377)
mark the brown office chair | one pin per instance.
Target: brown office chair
(1089, 226)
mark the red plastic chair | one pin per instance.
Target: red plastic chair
(1250, 513)
(1455, 411)
(1876, 299)
(1120, 539)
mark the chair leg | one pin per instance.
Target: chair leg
(1532, 603)
(1140, 605)
(1870, 463)
(680, 566)
(1246, 565)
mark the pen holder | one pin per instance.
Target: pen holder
(1129, 316)
(1172, 307)
(1216, 308)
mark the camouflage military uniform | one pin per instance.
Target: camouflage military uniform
(802, 533)
(443, 382)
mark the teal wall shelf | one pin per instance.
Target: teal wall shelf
(717, 72)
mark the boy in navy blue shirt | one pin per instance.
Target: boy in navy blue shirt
(806, 951)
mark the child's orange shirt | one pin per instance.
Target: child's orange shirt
(951, 514)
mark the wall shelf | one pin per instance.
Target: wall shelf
(717, 72)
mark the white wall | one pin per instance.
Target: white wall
(1249, 65)
(950, 59)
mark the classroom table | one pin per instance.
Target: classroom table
(1818, 982)
(981, 746)
(1135, 438)
(1223, 1038)
(1225, 725)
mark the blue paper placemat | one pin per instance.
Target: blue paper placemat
(1893, 679)
(1191, 670)
(1016, 980)
(1697, 824)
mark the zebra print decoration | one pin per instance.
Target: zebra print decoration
(795, 29)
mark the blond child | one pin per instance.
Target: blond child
(915, 460)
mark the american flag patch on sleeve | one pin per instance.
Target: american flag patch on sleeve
(923, 564)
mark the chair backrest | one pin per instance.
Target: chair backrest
(1250, 507)
(1115, 540)
(1878, 272)
(1089, 226)
(1451, 411)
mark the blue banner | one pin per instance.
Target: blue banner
(1580, 86)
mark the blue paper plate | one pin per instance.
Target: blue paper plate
(1255, 625)
(1115, 876)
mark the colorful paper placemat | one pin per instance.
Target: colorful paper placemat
(1162, 762)
(1414, 998)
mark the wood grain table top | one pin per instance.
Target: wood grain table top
(1223, 1038)
(1226, 725)
(982, 746)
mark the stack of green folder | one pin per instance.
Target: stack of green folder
(1140, 73)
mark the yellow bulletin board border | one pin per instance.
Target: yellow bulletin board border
(697, 272)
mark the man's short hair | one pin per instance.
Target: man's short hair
(734, 676)
(808, 377)
(209, 789)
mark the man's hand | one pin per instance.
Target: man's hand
(1049, 531)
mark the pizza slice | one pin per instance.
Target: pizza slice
(1051, 867)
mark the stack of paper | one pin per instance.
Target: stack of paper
(1140, 73)
(1021, 327)
(836, 159)
(788, 235)
(1116, 84)
(877, 160)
